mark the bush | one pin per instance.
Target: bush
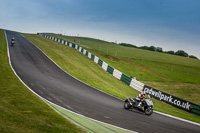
(127, 45)
(181, 53)
(170, 52)
(192, 56)
(158, 49)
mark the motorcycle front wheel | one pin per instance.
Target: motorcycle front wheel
(148, 111)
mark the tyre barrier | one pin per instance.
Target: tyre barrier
(132, 82)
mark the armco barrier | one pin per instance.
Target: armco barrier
(100, 62)
(110, 70)
(132, 82)
(117, 74)
(196, 109)
(105, 66)
(126, 79)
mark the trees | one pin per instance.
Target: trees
(128, 45)
(170, 52)
(152, 48)
(192, 56)
(144, 47)
(181, 53)
(159, 49)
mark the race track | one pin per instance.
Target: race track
(49, 81)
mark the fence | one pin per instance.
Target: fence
(132, 82)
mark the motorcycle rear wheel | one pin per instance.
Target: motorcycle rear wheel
(127, 105)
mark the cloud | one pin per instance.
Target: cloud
(168, 24)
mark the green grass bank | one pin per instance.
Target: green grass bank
(86, 70)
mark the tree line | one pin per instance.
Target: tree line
(159, 49)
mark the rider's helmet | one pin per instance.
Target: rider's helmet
(143, 93)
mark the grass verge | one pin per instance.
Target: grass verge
(84, 69)
(90, 126)
(21, 110)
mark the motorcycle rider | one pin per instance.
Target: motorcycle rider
(12, 41)
(140, 98)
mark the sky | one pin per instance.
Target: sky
(170, 24)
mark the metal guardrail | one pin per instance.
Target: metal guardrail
(195, 109)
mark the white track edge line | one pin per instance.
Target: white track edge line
(177, 118)
(50, 101)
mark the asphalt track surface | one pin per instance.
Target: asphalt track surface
(49, 81)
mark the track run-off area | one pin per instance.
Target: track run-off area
(46, 79)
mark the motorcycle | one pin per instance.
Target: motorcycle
(146, 105)
(12, 42)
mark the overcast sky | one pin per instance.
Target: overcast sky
(170, 24)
